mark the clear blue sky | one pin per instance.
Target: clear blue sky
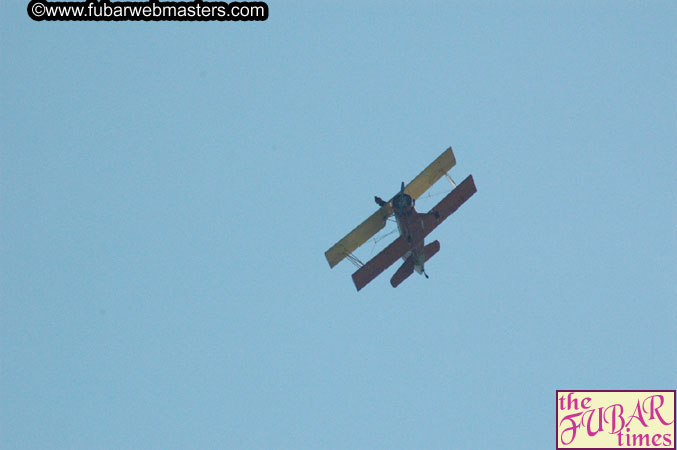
(168, 191)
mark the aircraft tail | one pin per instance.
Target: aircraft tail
(407, 268)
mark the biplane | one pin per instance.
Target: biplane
(412, 226)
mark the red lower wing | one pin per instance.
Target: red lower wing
(380, 262)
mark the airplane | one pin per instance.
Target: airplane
(412, 226)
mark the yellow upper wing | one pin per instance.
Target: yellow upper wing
(431, 174)
(359, 235)
(377, 221)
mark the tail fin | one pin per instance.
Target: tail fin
(407, 268)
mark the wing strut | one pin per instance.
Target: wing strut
(453, 183)
(355, 260)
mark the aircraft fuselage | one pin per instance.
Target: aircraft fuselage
(411, 227)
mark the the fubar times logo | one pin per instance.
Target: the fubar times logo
(615, 419)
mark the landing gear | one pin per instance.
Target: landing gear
(379, 201)
(426, 275)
